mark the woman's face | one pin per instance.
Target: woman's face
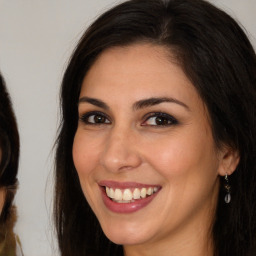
(143, 149)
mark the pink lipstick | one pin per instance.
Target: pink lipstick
(127, 197)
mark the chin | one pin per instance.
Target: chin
(124, 239)
(126, 235)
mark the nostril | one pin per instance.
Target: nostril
(119, 158)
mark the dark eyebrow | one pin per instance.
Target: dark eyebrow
(155, 101)
(94, 102)
(137, 105)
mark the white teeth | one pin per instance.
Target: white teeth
(111, 193)
(127, 196)
(136, 193)
(118, 194)
(149, 191)
(143, 193)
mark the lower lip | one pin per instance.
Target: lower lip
(126, 207)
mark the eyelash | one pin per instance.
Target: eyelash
(85, 118)
(167, 119)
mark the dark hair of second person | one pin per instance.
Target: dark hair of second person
(9, 161)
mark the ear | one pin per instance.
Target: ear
(229, 159)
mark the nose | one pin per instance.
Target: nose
(120, 151)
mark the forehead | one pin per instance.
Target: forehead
(140, 56)
(141, 66)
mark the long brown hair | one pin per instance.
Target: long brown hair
(9, 144)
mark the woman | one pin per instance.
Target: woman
(9, 158)
(156, 149)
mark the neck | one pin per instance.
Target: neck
(198, 244)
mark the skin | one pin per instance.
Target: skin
(129, 146)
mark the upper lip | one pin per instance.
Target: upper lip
(124, 185)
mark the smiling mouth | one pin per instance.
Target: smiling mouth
(129, 195)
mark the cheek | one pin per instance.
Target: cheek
(85, 157)
(85, 154)
(185, 154)
(188, 167)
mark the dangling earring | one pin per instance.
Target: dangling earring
(227, 188)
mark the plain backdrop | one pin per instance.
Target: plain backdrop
(36, 40)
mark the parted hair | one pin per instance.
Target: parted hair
(216, 55)
(9, 145)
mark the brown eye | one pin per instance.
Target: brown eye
(95, 118)
(160, 119)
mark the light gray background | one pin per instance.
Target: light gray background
(36, 40)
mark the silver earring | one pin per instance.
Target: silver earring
(227, 188)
